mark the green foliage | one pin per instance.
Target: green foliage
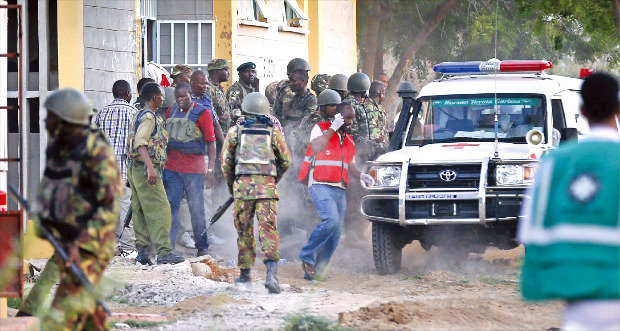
(494, 281)
(15, 303)
(305, 322)
(139, 324)
(583, 31)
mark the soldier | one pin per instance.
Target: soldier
(382, 78)
(293, 99)
(139, 103)
(270, 92)
(338, 83)
(146, 150)
(354, 223)
(377, 120)
(571, 223)
(218, 73)
(319, 83)
(248, 83)
(77, 201)
(180, 74)
(255, 157)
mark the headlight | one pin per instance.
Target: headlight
(386, 176)
(514, 174)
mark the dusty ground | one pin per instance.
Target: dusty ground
(482, 293)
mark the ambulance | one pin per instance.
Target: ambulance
(463, 154)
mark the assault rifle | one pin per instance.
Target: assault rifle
(219, 212)
(60, 250)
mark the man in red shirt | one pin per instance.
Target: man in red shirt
(191, 136)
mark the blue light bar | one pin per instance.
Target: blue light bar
(469, 67)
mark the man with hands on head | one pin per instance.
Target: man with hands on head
(329, 160)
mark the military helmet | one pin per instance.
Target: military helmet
(358, 82)
(319, 83)
(329, 97)
(297, 64)
(70, 105)
(255, 104)
(338, 82)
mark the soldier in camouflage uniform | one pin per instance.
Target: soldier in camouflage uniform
(248, 83)
(180, 74)
(218, 73)
(254, 159)
(319, 83)
(354, 223)
(338, 83)
(77, 201)
(270, 92)
(377, 120)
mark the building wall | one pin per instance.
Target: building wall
(339, 53)
(269, 48)
(110, 47)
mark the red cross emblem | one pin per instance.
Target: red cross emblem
(460, 145)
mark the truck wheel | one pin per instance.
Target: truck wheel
(387, 248)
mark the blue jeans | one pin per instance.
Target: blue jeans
(193, 185)
(331, 204)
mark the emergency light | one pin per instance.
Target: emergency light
(492, 66)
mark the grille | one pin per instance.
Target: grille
(467, 176)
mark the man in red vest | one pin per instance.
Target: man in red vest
(326, 167)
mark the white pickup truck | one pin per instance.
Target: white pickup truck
(463, 154)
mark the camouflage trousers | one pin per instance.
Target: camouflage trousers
(74, 308)
(243, 214)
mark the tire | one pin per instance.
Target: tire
(387, 249)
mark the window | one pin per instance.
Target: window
(293, 15)
(253, 10)
(187, 42)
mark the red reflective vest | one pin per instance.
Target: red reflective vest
(332, 163)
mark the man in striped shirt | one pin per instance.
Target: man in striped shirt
(113, 120)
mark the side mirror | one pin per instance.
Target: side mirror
(569, 134)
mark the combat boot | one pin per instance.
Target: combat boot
(143, 255)
(244, 277)
(271, 281)
(170, 259)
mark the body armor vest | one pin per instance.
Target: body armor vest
(254, 153)
(158, 140)
(184, 135)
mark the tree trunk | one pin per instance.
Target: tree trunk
(372, 35)
(378, 66)
(419, 40)
(616, 4)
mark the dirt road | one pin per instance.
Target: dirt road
(481, 293)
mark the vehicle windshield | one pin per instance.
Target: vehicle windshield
(472, 117)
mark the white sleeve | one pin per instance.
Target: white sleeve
(316, 132)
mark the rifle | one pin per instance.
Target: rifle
(125, 225)
(60, 250)
(219, 212)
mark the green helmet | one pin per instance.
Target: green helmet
(328, 97)
(358, 82)
(319, 83)
(70, 105)
(255, 104)
(297, 64)
(338, 82)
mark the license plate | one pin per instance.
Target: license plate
(444, 209)
(427, 196)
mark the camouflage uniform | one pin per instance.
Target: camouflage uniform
(77, 200)
(255, 194)
(360, 130)
(235, 94)
(220, 104)
(304, 129)
(270, 92)
(290, 107)
(377, 127)
(319, 83)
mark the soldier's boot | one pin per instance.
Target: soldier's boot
(143, 255)
(170, 259)
(244, 277)
(271, 281)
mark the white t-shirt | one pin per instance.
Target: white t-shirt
(315, 133)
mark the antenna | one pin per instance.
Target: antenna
(496, 147)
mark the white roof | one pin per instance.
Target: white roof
(501, 83)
